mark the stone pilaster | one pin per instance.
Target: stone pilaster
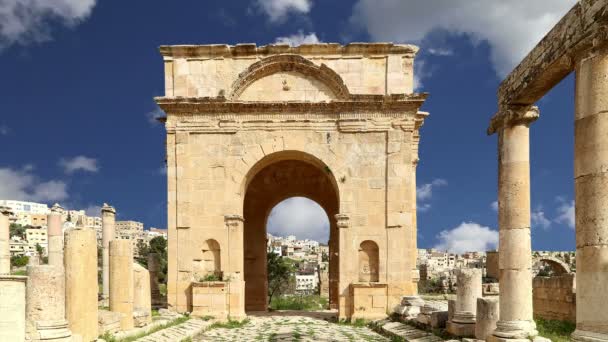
(515, 253)
(55, 236)
(5, 254)
(591, 196)
(108, 219)
(81, 287)
(121, 281)
(344, 305)
(234, 274)
(45, 306)
(469, 289)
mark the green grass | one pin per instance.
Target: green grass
(300, 303)
(557, 331)
(20, 273)
(230, 324)
(359, 322)
(110, 338)
(187, 339)
(162, 288)
(155, 313)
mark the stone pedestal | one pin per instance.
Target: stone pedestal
(5, 254)
(81, 287)
(45, 306)
(12, 308)
(515, 253)
(121, 281)
(429, 309)
(591, 196)
(55, 236)
(142, 301)
(154, 269)
(469, 289)
(369, 300)
(486, 318)
(410, 307)
(108, 219)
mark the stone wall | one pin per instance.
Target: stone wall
(555, 297)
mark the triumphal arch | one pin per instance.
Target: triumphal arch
(248, 127)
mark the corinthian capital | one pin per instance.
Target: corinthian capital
(511, 116)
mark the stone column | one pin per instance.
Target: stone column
(12, 308)
(121, 281)
(108, 217)
(591, 196)
(515, 252)
(45, 306)
(81, 286)
(5, 253)
(55, 236)
(154, 269)
(142, 302)
(486, 317)
(469, 289)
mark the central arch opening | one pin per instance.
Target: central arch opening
(281, 177)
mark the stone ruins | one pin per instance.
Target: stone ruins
(249, 126)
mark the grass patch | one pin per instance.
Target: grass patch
(557, 331)
(20, 273)
(299, 303)
(359, 322)
(111, 338)
(155, 313)
(187, 339)
(230, 324)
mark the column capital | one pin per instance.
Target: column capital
(511, 116)
(57, 209)
(6, 211)
(106, 208)
(342, 220)
(233, 220)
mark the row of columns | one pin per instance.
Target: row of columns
(591, 207)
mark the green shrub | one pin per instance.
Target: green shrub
(557, 331)
(19, 260)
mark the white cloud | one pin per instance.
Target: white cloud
(494, 206)
(4, 130)
(93, 210)
(152, 116)
(467, 237)
(22, 185)
(565, 213)
(301, 217)
(442, 51)
(83, 163)
(423, 207)
(24, 21)
(278, 10)
(539, 219)
(512, 28)
(425, 191)
(298, 39)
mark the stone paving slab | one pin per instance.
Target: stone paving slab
(179, 332)
(406, 332)
(290, 328)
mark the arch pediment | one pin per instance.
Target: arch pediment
(288, 77)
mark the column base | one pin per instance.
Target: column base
(515, 330)
(461, 329)
(56, 331)
(588, 336)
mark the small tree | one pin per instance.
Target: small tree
(157, 245)
(17, 230)
(19, 260)
(280, 275)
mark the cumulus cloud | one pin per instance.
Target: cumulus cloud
(539, 219)
(79, 163)
(425, 191)
(301, 217)
(298, 39)
(278, 10)
(467, 237)
(511, 28)
(23, 185)
(565, 212)
(24, 21)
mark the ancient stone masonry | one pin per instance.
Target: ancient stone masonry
(55, 236)
(555, 298)
(154, 269)
(577, 43)
(12, 308)
(5, 254)
(81, 282)
(142, 298)
(121, 281)
(486, 317)
(108, 220)
(248, 127)
(469, 289)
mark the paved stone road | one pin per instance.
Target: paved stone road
(290, 327)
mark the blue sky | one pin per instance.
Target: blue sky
(78, 78)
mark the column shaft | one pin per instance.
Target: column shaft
(591, 196)
(5, 254)
(121, 281)
(108, 217)
(55, 236)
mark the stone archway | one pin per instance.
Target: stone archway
(292, 175)
(558, 266)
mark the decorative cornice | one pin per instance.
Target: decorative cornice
(252, 50)
(342, 220)
(356, 104)
(233, 221)
(511, 116)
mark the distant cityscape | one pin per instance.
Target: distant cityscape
(32, 218)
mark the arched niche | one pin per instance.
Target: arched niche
(210, 264)
(369, 256)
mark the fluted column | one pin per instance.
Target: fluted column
(108, 217)
(5, 254)
(515, 249)
(591, 194)
(55, 236)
